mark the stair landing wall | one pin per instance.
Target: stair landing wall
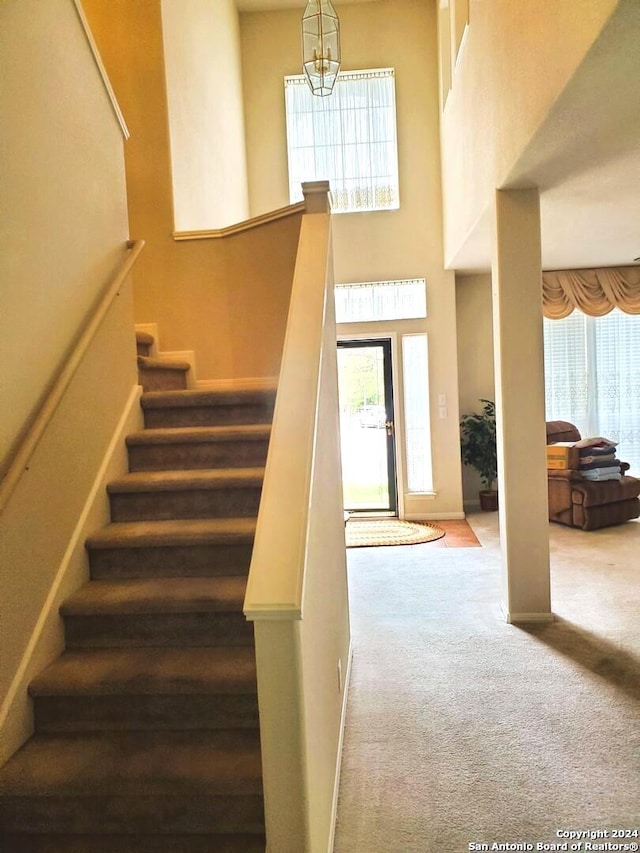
(225, 298)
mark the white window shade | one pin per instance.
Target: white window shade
(592, 377)
(348, 139)
(381, 300)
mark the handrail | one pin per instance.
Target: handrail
(276, 576)
(18, 461)
(246, 225)
(101, 69)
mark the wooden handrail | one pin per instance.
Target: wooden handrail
(18, 461)
(246, 225)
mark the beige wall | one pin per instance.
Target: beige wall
(62, 175)
(204, 90)
(382, 245)
(224, 299)
(60, 501)
(475, 357)
(63, 238)
(502, 90)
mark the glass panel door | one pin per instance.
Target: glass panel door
(367, 426)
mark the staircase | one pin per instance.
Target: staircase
(146, 728)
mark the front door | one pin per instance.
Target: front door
(367, 426)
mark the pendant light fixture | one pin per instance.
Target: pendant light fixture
(320, 46)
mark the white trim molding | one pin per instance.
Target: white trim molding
(101, 69)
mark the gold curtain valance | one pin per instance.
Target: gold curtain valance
(594, 292)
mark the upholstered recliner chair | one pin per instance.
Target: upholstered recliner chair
(578, 502)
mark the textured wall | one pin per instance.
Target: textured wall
(206, 122)
(62, 176)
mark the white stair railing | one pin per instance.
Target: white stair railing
(297, 588)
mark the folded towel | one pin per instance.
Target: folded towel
(595, 442)
(599, 462)
(596, 476)
(597, 452)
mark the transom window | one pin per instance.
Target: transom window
(348, 138)
(381, 300)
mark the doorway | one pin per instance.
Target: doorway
(365, 389)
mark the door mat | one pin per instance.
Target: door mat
(365, 533)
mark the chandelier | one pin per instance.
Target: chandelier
(320, 46)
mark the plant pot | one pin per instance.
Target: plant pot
(488, 500)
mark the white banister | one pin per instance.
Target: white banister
(274, 588)
(297, 591)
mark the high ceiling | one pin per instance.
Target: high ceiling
(585, 158)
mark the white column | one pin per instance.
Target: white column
(519, 375)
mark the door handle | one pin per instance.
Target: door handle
(389, 427)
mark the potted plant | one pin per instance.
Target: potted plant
(478, 446)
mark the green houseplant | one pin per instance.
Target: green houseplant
(479, 450)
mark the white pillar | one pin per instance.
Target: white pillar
(519, 375)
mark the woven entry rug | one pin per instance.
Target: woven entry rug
(365, 533)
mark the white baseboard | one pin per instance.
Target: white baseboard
(516, 618)
(47, 640)
(343, 716)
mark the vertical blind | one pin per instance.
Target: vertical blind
(592, 377)
(381, 300)
(348, 138)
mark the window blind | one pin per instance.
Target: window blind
(592, 377)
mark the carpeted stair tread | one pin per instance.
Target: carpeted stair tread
(169, 481)
(135, 764)
(146, 362)
(181, 532)
(194, 397)
(198, 435)
(149, 671)
(144, 343)
(145, 338)
(157, 595)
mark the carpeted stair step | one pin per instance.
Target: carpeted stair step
(144, 343)
(133, 843)
(199, 447)
(157, 612)
(155, 374)
(128, 689)
(185, 548)
(164, 495)
(135, 783)
(208, 408)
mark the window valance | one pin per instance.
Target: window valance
(595, 292)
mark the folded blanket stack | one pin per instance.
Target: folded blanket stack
(598, 459)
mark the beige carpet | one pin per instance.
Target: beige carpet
(461, 728)
(363, 533)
